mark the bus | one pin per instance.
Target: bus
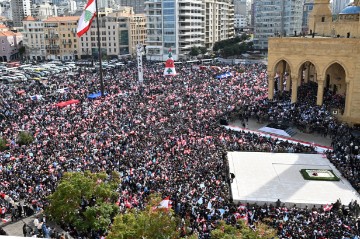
(206, 61)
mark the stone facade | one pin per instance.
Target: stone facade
(331, 62)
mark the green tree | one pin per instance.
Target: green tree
(224, 231)
(25, 138)
(22, 51)
(203, 50)
(194, 51)
(85, 200)
(3, 144)
(149, 223)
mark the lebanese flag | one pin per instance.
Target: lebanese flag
(164, 203)
(86, 18)
(169, 66)
(327, 208)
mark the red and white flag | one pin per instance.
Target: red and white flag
(86, 18)
(327, 208)
(166, 203)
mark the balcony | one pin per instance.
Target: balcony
(69, 42)
(52, 47)
(52, 36)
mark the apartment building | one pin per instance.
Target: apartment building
(276, 18)
(20, 9)
(44, 10)
(219, 20)
(61, 41)
(119, 34)
(182, 24)
(137, 5)
(191, 18)
(307, 8)
(34, 39)
(9, 45)
(240, 14)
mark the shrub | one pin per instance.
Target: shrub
(3, 144)
(25, 138)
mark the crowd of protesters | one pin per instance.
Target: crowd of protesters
(161, 136)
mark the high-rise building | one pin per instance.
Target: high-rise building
(240, 13)
(182, 24)
(240, 7)
(5, 9)
(137, 5)
(338, 5)
(219, 21)
(308, 7)
(276, 18)
(20, 9)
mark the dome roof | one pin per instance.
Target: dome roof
(351, 10)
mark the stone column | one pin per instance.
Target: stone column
(281, 82)
(271, 86)
(349, 85)
(288, 82)
(307, 74)
(294, 87)
(320, 91)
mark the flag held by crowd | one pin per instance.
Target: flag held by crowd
(327, 208)
(36, 97)
(165, 203)
(86, 18)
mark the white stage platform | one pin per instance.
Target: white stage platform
(267, 177)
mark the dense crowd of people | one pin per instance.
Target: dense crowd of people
(163, 136)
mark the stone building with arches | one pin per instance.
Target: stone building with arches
(328, 57)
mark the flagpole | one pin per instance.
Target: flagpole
(99, 49)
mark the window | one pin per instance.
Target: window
(168, 12)
(169, 5)
(169, 18)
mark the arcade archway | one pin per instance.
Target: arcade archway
(334, 87)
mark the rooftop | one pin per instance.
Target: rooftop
(350, 10)
(62, 19)
(29, 18)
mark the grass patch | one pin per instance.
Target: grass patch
(307, 176)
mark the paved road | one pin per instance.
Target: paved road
(15, 228)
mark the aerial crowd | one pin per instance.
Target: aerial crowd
(164, 136)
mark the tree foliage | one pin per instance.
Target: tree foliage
(149, 223)
(85, 200)
(22, 50)
(194, 51)
(203, 50)
(225, 231)
(3, 144)
(25, 138)
(233, 46)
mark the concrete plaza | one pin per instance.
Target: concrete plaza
(267, 177)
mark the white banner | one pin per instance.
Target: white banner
(139, 50)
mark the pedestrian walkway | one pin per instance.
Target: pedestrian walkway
(16, 228)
